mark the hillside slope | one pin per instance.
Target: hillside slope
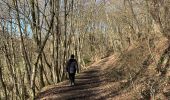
(129, 76)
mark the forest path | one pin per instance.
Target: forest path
(91, 84)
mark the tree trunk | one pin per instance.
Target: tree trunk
(3, 83)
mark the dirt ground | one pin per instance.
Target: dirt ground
(102, 81)
(90, 84)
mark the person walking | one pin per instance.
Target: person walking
(72, 67)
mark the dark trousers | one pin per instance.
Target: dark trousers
(72, 77)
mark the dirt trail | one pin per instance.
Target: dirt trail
(109, 78)
(90, 85)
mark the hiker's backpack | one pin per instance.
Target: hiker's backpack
(72, 66)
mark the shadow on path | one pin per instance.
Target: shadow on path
(85, 87)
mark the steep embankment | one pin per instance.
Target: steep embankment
(133, 75)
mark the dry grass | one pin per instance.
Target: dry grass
(131, 76)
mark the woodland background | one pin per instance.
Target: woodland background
(38, 36)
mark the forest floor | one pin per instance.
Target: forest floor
(90, 84)
(125, 76)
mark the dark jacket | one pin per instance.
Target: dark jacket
(70, 61)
